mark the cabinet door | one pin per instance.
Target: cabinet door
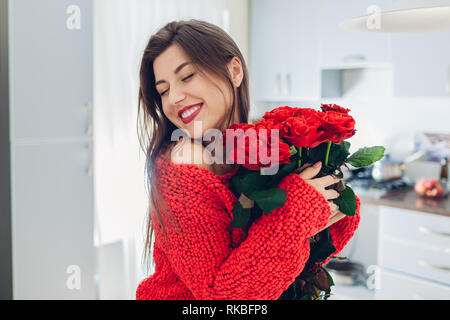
(267, 56)
(338, 45)
(302, 47)
(422, 64)
(397, 286)
(284, 43)
(51, 55)
(52, 222)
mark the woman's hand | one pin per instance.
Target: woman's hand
(307, 173)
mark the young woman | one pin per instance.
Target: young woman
(193, 71)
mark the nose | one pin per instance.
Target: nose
(176, 95)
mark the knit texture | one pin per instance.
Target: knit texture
(213, 261)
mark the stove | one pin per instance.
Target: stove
(363, 184)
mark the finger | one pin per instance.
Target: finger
(303, 167)
(311, 172)
(333, 206)
(334, 212)
(338, 216)
(328, 180)
(331, 194)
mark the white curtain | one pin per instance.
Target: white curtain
(122, 29)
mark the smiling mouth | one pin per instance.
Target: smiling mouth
(189, 115)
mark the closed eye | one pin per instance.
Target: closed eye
(189, 76)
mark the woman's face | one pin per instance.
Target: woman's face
(187, 95)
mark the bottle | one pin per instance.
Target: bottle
(443, 178)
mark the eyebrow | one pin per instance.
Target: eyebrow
(181, 66)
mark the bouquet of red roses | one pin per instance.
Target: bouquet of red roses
(285, 139)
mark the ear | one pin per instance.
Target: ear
(236, 72)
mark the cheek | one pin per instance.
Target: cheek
(170, 113)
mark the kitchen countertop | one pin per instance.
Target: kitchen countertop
(409, 199)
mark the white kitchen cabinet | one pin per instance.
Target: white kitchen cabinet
(47, 75)
(416, 246)
(421, 64)
(52, 222)
(339, 47)
(396, 286)
(51, 67)
(284, 47)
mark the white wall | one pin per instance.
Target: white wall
(239, 24)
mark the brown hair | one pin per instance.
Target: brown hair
(210, 49)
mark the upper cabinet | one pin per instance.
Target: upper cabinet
(421, 64)
(284, 46)
(340, 47)
(51, 56)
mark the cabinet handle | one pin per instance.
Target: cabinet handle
(432, 266)
(89, 127)
(288, 85)
(278, 85)
(89, 171)
(429, 231)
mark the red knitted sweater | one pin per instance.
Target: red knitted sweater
(215, 262)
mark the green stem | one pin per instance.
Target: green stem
(327, 154)
(300, 154)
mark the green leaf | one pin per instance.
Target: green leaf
(269, 199)
(241, 215)
(248, 182)
(366, 156)
(347, 202)
(284, 170)
(330, 279)
(322, 249)
(338, 154)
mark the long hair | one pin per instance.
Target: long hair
(210, 49)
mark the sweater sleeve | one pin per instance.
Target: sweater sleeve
(266, 262)
(343, 230)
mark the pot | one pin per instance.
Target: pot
(388, 169)
(346, 272)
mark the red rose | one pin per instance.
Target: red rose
(281, 113)
(303, 131)
(307, 113)
(334, 107)
(270, 124)
(253, 148)
(338, 126)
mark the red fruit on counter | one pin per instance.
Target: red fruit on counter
(429, 187)
(440, 190)
(419, 188)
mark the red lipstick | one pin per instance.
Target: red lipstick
(193, 115)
